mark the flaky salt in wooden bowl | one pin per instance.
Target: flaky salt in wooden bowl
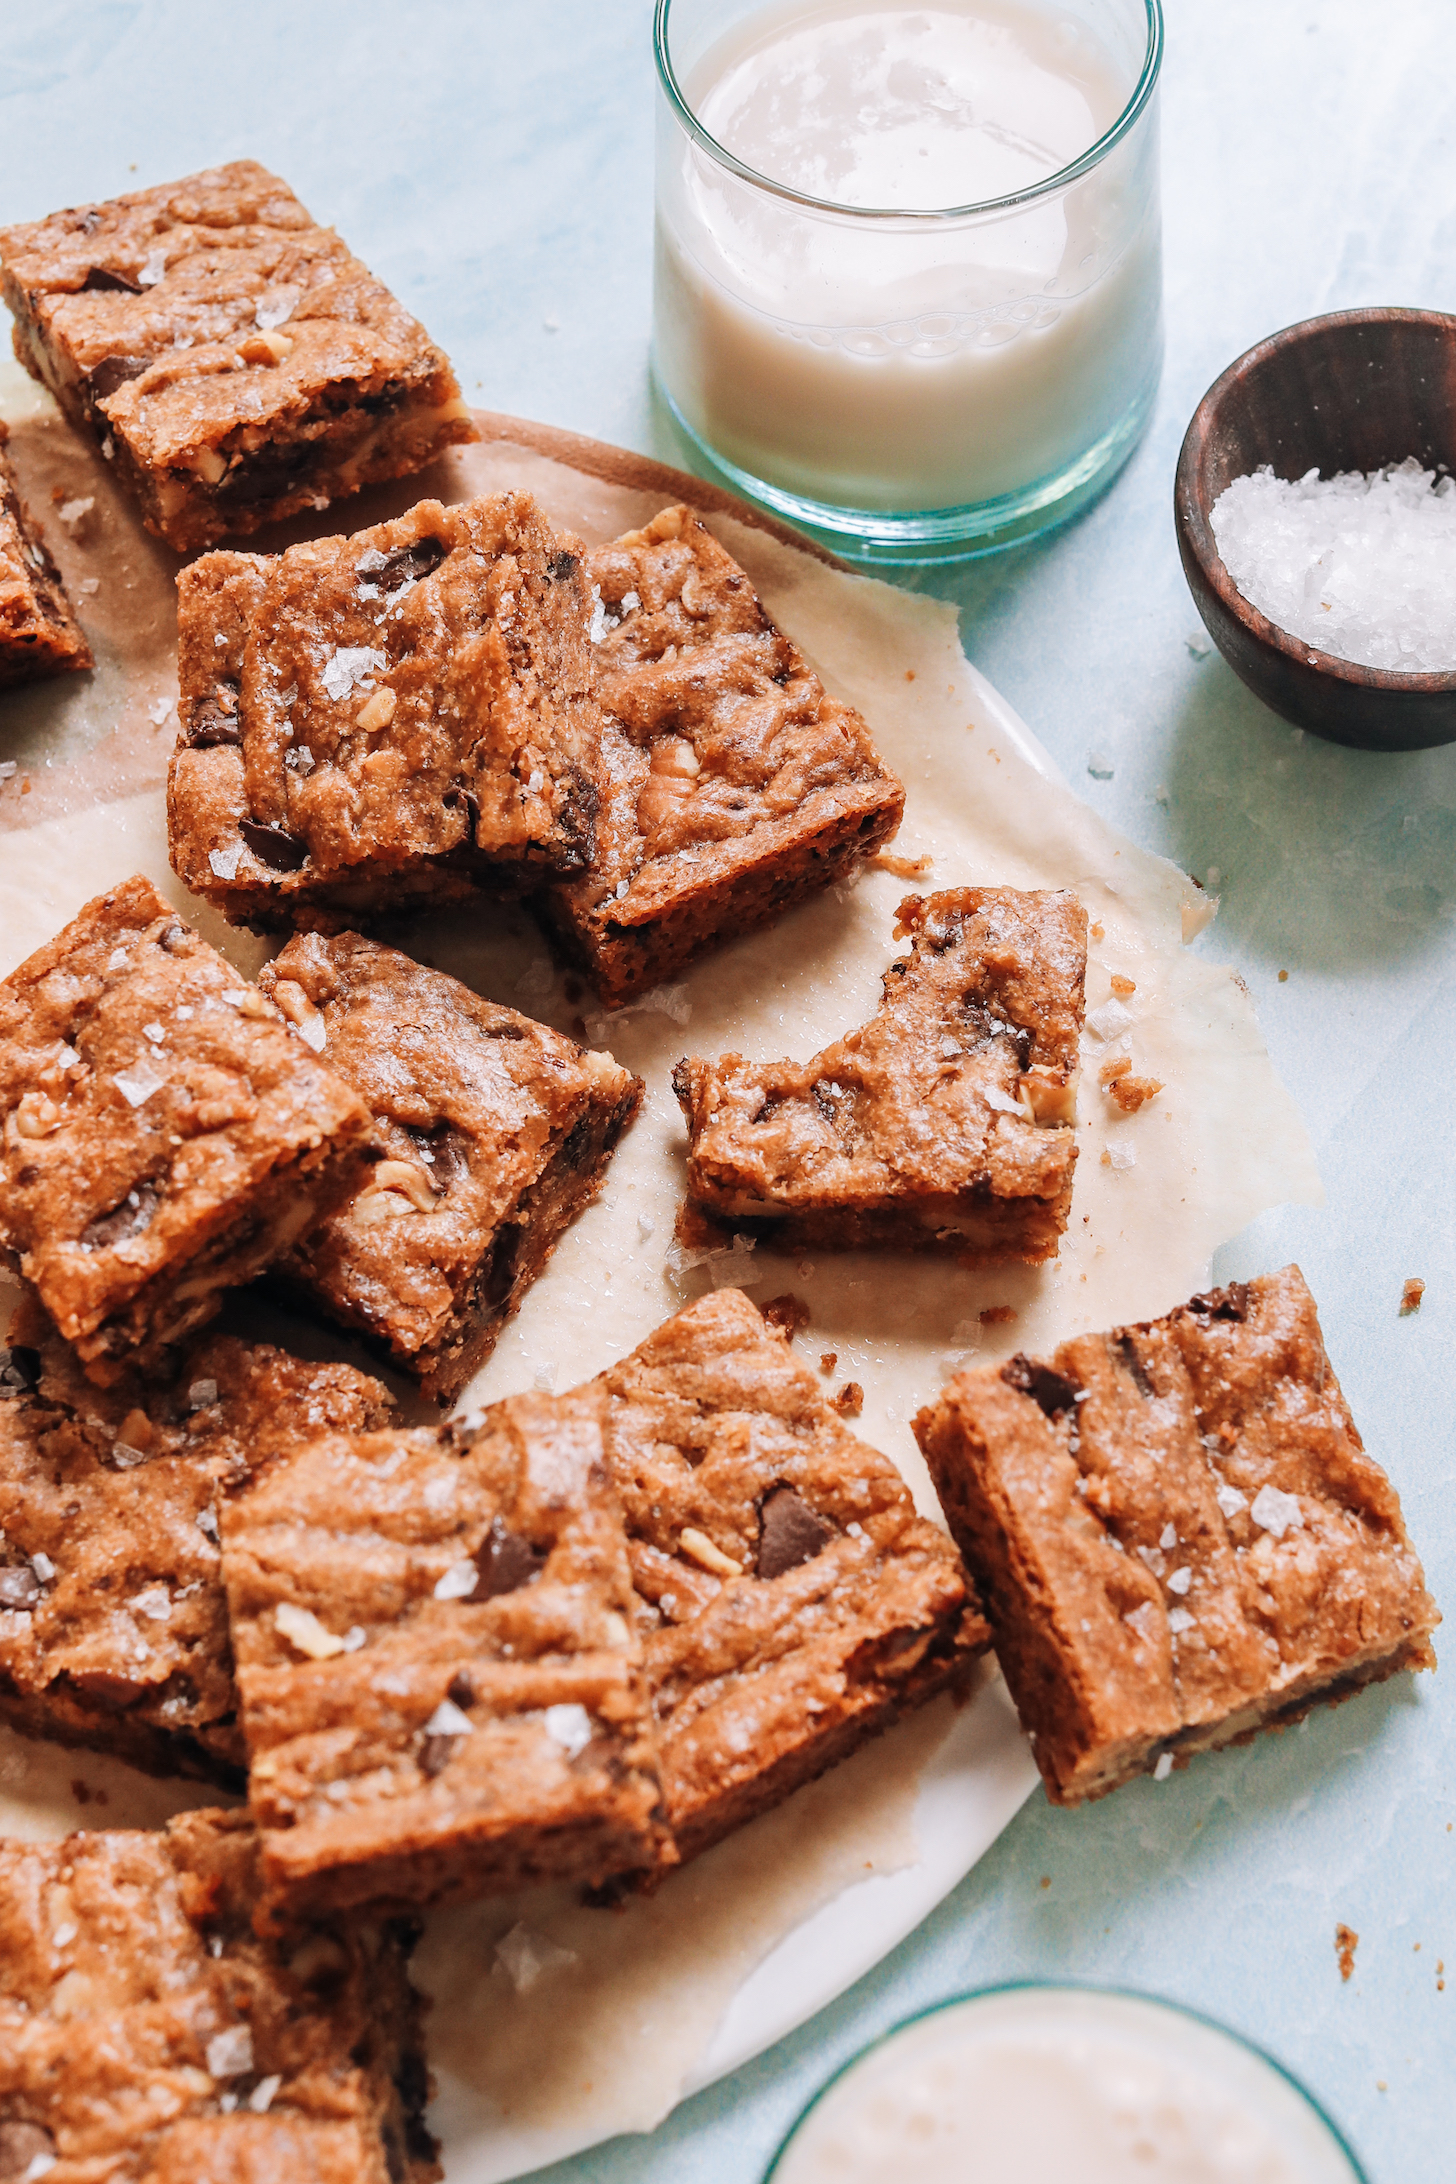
(1354, 390)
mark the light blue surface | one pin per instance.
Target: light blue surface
(493, 162)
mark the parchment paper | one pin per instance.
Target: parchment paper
(619, 2031)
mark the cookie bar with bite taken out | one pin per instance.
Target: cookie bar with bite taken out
(944, 1124)
(1178, 1534)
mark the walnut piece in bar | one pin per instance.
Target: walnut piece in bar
(38, 630)
(164, 1133)
(944, 1124)
(113, 1620)
(148, 2035)
(235, 361)
(496, 1132)
(735, 785)
(1178, 1534)
(400, 717)
(790, 1601)
(441, 1691)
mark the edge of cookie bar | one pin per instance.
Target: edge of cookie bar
(947, 1665)
(48, 640)
(988, 1231)
(142, 1328)
(570, 1180)
(302, 1880)
(1080, 1755)
(206, 803)
(63, 1715)
(763, 879)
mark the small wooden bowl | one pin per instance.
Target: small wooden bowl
(1351, 391)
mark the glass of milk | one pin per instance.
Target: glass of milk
(1043, 2085)
(908, 262)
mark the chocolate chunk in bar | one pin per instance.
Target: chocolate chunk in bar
(1052, 1391)
(791, 1533)
(235, 361)
(1194, 1546)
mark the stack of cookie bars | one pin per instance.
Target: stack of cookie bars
(565, 1638)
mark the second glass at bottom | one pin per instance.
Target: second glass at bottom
(1043, 2084)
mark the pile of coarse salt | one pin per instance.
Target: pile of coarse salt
(1364, 567)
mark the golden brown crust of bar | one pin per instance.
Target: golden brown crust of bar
(943, 1124)
(399, 717)
(121, 1643)
(482, 1571)
(1178, 1534)
(497, 1131)
(39, 634)
(148, 2035)
(735, 784)
(235, 360)
(791, 1602)
(164, 1133)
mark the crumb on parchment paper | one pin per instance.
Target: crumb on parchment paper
(788, 1311)
(1412, 1291)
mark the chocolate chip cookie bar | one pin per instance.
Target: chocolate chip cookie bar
(401, 717)
(38, 631)
(148, 2035)
(440, 1686)
(113, 1621)
(789, 1600)
(233, 358)
(164, 1133)
(735, 784)
(944, 1124)
(1178, 1534)
(495, 1132)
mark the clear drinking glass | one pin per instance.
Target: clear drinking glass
(906, 385)
(905, 2104)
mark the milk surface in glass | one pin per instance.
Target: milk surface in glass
(1063, 2086)
(908, 363)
